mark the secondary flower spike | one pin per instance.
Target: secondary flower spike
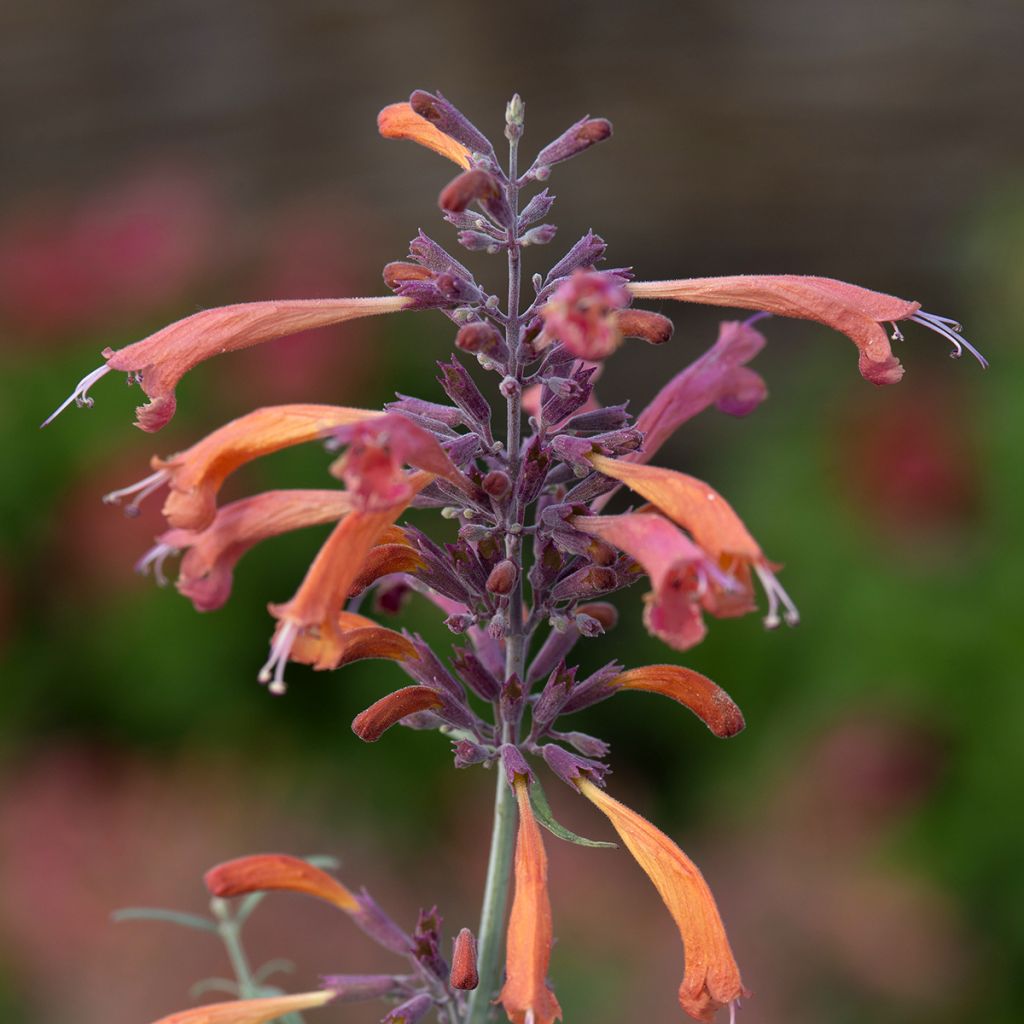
(711, 979)
(858, 312)
(158, 362)
(249, 1011)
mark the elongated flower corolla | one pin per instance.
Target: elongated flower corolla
(706, 699)
(210, 555)
(371, 724)
(682, 574)
(194, 477)
(581, 313)
(317, 605)
(526, 997)
(716, 528)
(856, 312)
(263, 872)
(355, 639)
(718, 377)
(158, 362)
(249, 1011)
(400, 121)
(711, 977)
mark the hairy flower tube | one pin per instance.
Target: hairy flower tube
(520, 460)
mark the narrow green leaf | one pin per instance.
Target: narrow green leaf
(170, 916)
(542, 812)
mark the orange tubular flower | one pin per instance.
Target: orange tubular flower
(264, 872)
(683, 576)
(249, 1011)
(856, 312)
(195, 475)
(526, 997)
(400, 121)
(317, 605)
(371, 724)
(158, 362)
(716, 528)
(712, 978)
(706, 699)
(355, 639)
(207, 569)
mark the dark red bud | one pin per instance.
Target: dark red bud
(605, 613)
(653, 328)
(503, 577)
(465, 188)
(464, 971)
(480, 337)
(496, 483)
(396, 273)
(371, 724)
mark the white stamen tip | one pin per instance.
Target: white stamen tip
(777, 597)
(138, 492)
(80, 396)
(272, 673)
(154, 559)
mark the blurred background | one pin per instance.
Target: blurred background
(861, 835)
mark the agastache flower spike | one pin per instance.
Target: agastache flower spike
(249, 1011)
(856, 312)
(711, 979)
(161, 360)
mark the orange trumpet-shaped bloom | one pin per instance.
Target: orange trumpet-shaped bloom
(356, 639)
(706, 699)
(713, 524)
(207, 568)
(526, 997)
(400, 121)
(316, 607)
(158, 362)
(264, 872)
(711, 978)
(856, 312)
(194, 477)
(371, 724)
(249, 1011)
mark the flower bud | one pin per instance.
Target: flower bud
(593, 579)
(606, 614)
(411, 1011)
(467, 187)
(464, 972)
(570, 768)
(468, 753)
(590, 746)
(536, 209)
(397, 272)
(450, 120)
(476, 241)
(425, 250)
(653, 328)
(481, 337)
(496, 483)
(541, 235)
(503, 577)
(588, 626)
(582, 135)
(514, 763)
(459, 622)
(585, 253)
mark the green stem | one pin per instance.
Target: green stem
(490, 935)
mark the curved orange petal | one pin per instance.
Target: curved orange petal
(706, 699)
(162, 359)
(857, 312)
(711, 977)
(400, 121)
(264, 872)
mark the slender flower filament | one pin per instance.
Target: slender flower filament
(138, 492)
(80, 396)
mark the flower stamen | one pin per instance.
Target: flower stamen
(272, 672)
(949, 329)
(154, 559)
(80, 396)
(140, 491)
(776, 594)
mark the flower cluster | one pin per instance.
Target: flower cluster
(528, 570)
